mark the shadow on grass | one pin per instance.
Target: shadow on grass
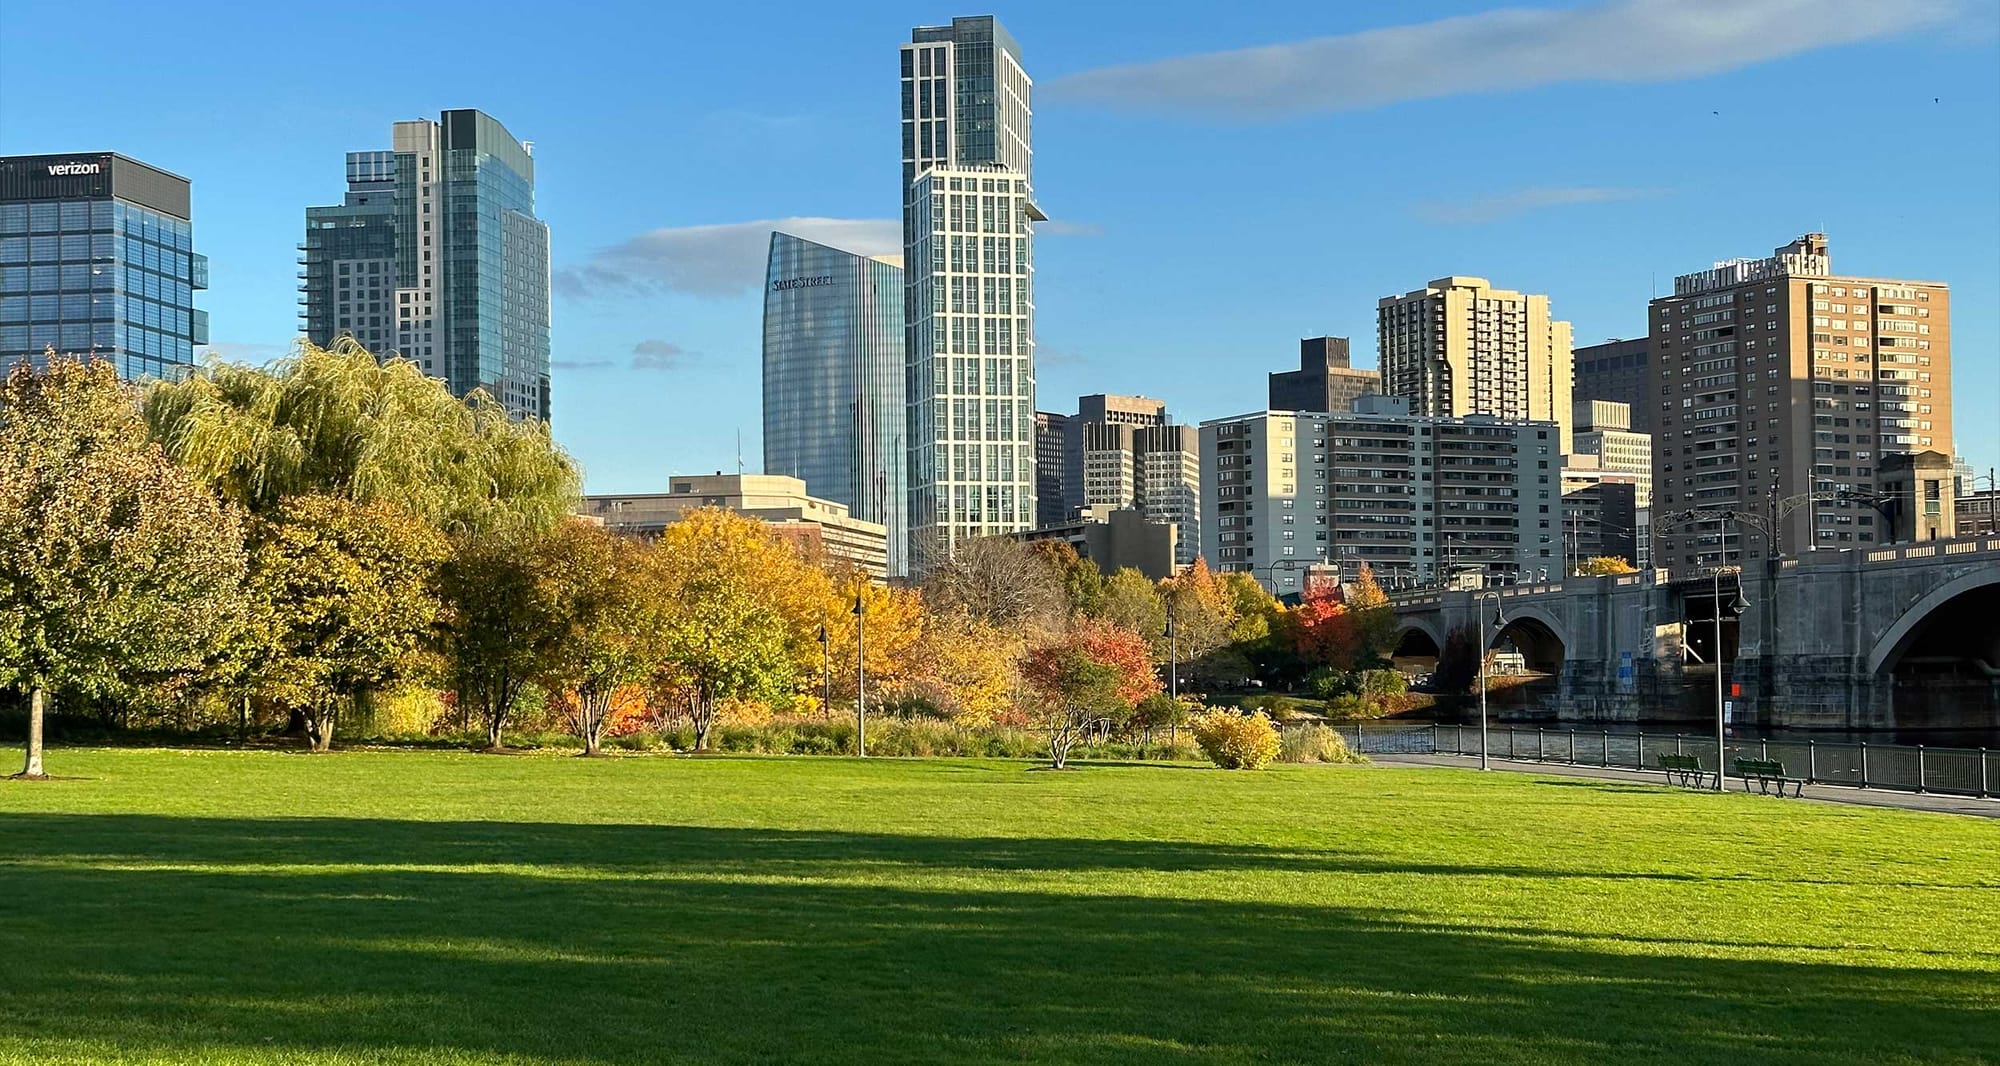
(189, 938)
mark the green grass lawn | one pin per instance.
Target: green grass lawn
(401, 907)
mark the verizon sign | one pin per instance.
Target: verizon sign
(70, 170)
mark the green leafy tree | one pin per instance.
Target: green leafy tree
(340, 422)
(116, 568)
(606, 636)
(1083, 584)
(1374, 619)
(1132, 602)
(1161, 711)
(351, 591)
(718, 580)
(501, 621)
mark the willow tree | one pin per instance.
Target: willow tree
(117, 569)
(339, 422)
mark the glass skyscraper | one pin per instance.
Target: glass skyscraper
(968, 341)
(440, 233)
(833, 380)
(96, 258)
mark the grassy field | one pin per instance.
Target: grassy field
(397, 907)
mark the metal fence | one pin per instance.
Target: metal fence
(1898, 767)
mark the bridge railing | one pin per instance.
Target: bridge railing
(1854, 764)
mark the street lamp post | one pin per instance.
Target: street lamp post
(860, 678)
(1499, 623)
(1173, 655)
(1736, 607)
(826, 666)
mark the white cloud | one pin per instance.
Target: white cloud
(659, 355)
(1520, 201)
(718, 260)
(248, 352)
(1495, 51)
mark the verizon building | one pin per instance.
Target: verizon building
(97, 258)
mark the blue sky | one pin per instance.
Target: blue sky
(1212, 205)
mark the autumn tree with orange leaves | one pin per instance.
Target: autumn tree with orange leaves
(1093, 673)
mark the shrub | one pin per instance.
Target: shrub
(1237, 742)
(1315, 743)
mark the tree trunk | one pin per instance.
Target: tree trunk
(495, 724)
(701, 712)
(33, 771)
(594, 711)
(1060, 739)
(319, 728)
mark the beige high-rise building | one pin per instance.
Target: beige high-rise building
(1777, 389)
(1461, 347)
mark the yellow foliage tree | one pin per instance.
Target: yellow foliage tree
(1203, 610)
(739, 614)
(967, 667)
(1603, 565)
(894, 625)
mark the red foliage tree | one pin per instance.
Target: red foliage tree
(1324, 631)
(1094, 672)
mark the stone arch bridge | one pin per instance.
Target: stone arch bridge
(1906, 636)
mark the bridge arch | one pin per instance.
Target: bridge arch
(1912, 623)
(1423, 628)
(1537, 635)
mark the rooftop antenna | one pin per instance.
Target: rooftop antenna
(739, 451)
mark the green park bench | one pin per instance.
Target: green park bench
(1767, 773)
(1684, 770)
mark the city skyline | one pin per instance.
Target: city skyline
(659, 247)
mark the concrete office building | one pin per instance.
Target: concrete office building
(1097, 448)
(1601, 433)
(1412, 496)
(1167, 480)
(1115, 538)
(780, 502)
(1620, 371)
(834, 410)
(435, 253)
(1461, 347)
(1124, 452)
(1779, 386)
(1602, 514)
(1324, 380)
(97, 258)
(968, 209)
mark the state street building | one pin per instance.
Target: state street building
(833, 380)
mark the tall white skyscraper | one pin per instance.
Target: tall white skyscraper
(969, 336)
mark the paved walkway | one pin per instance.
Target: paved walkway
(1870, 797)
